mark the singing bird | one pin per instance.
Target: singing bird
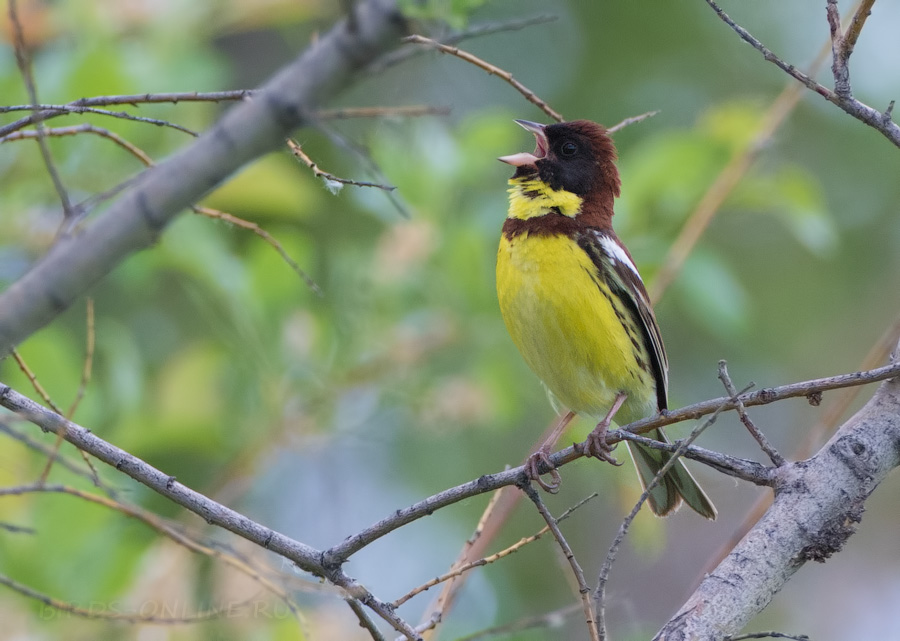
(575, 305)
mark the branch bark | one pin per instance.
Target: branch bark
(817, 504)
(247, 131)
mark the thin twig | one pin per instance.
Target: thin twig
(458, 570)
(739, 468)
(266, 236)
(24, 62)
(583, 589)
(85, 128)
(85, 379)
(428, 625)
(491, 523)
(768, 635)
(138, 99)
(365, 621)
(496, 511)
(108, 615)
(838, 62)
(482, 29)
(48, 112)
(328, 178)
(760, 438)
(631, 121)
(363, 155)
(158, 524)
(32, 378)
(792, 71)
(65, 110)
(554, 619)
(493, 70)
(599, 593)
(863, 11)
(842, 45)
(46, 450)
(849, 105)
(88, 366)
(408, 111)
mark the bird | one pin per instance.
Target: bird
(575, 306)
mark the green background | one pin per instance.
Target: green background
(318, 415)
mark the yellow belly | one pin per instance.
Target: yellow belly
(563, 320)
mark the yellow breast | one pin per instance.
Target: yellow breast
(566, 323)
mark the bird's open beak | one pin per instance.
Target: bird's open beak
(524, 158)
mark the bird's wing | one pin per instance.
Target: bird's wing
(615, 267)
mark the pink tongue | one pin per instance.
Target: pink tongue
(517, 160)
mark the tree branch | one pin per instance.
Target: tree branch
(143, 211)
(817, 504)
(842, 97)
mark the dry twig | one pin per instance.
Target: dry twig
(108, 615)
(24, 62)
(85, 128)
(266, 236)
(158, 524)
(483, 29)
(757, 435)
(583, 589)
(633, 120)
(599, 593)
(880, 121)
(85, 379)
(529, 95)
(459, 569)
(332, 182)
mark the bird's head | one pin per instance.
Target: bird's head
(578, 157)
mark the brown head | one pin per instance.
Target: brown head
(578, 157)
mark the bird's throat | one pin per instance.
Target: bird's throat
(530, 198)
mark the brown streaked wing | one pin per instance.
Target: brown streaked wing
(628, 285)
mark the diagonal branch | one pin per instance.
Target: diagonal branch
(158, 195)
(490, 482)
(24, 62)
(304, 556)
(493, 70)
(862, 112)
(817, 504)
(583, 589)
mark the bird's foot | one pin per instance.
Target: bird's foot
(532, 467)
(595, 445)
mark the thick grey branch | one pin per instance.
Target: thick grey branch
(250, 129)
(817, 504)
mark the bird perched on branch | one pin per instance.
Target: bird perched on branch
(575, 305)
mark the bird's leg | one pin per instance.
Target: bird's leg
(596, 444)
(542, 455)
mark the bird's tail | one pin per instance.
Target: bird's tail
(675, 486)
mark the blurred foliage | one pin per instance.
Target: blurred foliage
(318, 415)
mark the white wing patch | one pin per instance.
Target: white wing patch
(615, 252)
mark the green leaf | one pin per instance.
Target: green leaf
(711, 294)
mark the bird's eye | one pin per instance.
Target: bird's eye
(568, 149)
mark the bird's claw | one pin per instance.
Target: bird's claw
(532, 470)
(595, 445)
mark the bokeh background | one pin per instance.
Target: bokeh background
(318, 415)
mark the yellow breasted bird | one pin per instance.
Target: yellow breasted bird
(575, 305)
